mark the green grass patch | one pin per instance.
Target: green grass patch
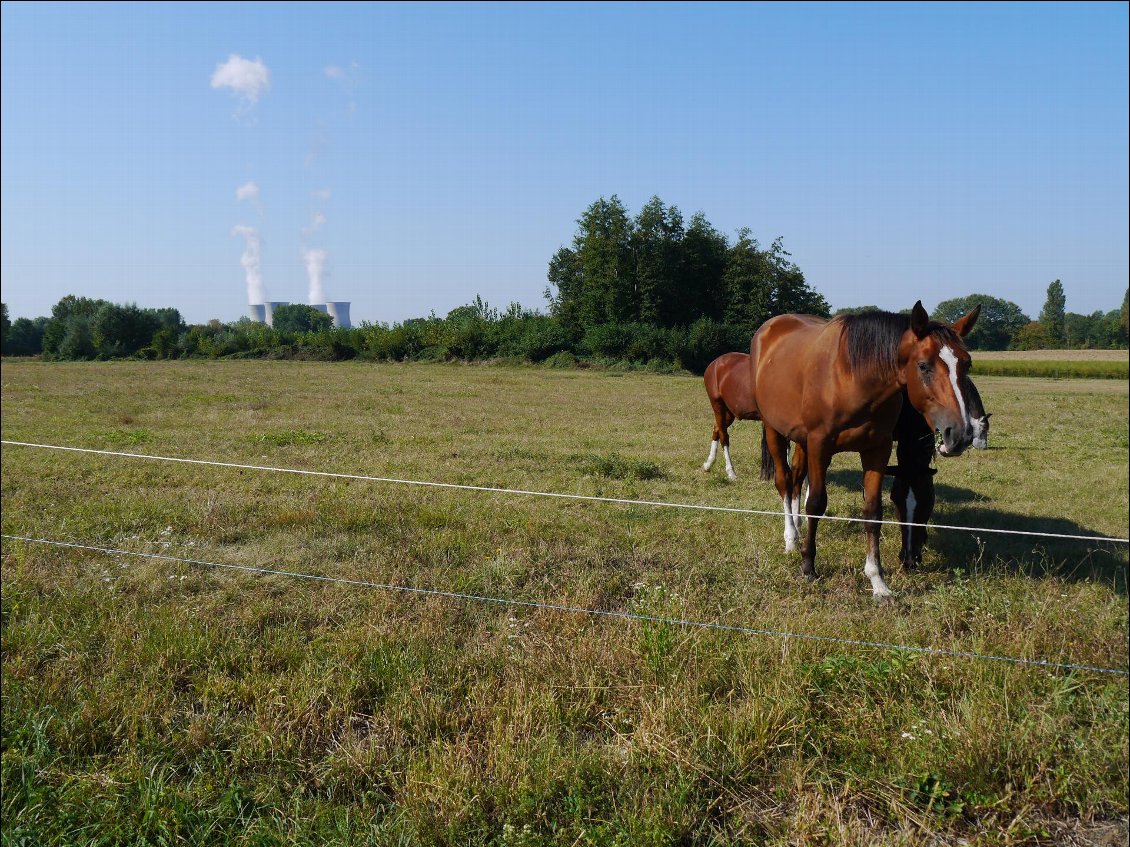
(615, 466)
(128, 437)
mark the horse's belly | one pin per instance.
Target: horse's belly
(862, 438)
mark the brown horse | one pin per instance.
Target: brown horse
(837, 386)
(729, 387)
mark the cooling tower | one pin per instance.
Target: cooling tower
(339, 311)
(321, 307)
(270, 309)
(257, 312)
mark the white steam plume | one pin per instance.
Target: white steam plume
(316, 223)
(256, 293)
(315, 269)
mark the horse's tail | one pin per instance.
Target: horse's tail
(767, 466)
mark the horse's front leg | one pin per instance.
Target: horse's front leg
(922, 488)
(819, 457)
(874, 465)
(905, 503)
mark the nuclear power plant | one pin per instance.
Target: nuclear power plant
(264, 313)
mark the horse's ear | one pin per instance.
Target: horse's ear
(964, 325)
(919, 320)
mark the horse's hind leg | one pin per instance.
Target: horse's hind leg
(778, 447)
(727, 421)
(799, 472)
(719, 431)
(723, 418)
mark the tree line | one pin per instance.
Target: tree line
(653, 290)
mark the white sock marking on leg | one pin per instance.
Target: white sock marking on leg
(871, 568)
(729, 465)
(790, 527)
(709, 463)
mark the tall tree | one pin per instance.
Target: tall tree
(998, 322)
(701, 291)
(603, 244)
(1054, 311)
(567, 276)
(790, 292)
(657, 240)
(749, 283)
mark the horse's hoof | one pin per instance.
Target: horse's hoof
(884, 598)
(733, 477)
(809, 576)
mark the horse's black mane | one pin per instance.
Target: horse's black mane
(872, 338)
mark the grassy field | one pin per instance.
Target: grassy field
(151, 701)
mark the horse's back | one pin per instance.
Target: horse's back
(788, 330)
(728, 379)
(782, 348)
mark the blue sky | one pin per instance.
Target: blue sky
(903, 152)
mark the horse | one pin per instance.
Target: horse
(832, 386)
(730, 390)
(980, 419)
(912, 492)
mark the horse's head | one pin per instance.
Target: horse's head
(935, 369)
(981, 432)
(979, 417)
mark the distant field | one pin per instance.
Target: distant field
(1053, 364)
(1054, 355)
(157, 701)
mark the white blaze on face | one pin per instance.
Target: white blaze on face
(947, 355)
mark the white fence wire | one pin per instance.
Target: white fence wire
(1096, 539)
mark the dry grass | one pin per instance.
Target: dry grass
(149, 701)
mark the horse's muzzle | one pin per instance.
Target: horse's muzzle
(955, 440)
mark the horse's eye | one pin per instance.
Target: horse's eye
(923, 366)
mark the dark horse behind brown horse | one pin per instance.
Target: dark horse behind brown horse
(839, 386)
(913, 490)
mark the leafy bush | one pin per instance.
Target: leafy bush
(300, 318)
